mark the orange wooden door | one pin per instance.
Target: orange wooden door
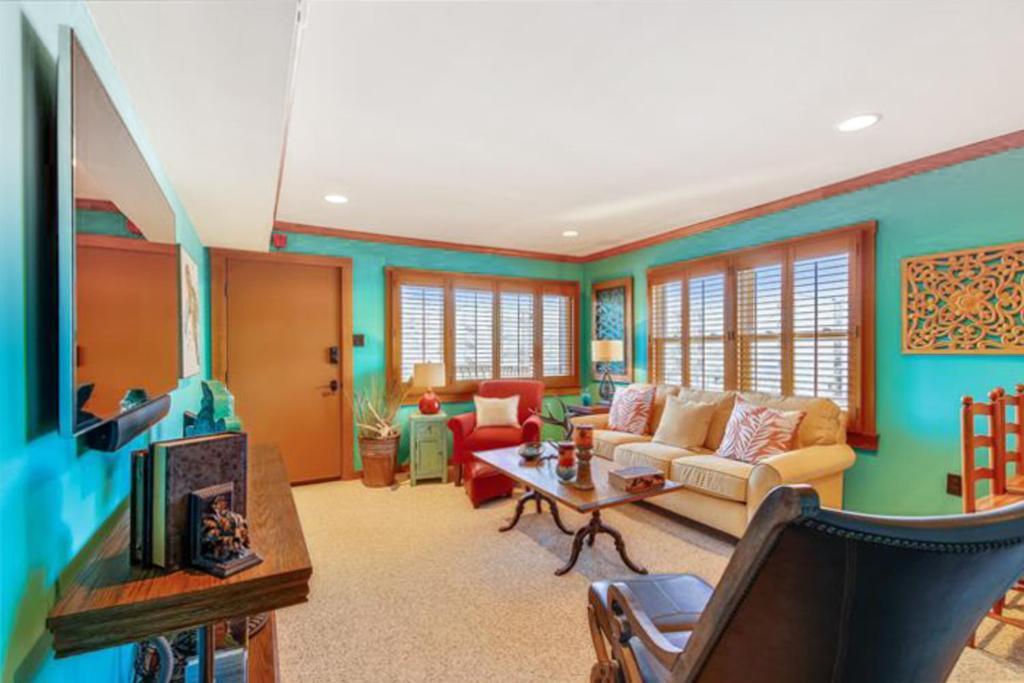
(282, 321)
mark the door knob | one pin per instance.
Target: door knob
(333, 385)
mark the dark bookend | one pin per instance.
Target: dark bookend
(181, 466)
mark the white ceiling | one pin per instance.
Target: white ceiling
(502, 124)
(209, 81)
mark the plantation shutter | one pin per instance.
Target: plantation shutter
(556, 326)
(759, 328)
(706, 302)
(516, 312)
(667, 332)
(422, 320)
(474, 333)
(821, 328)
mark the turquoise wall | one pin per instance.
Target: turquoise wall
(54, 494)
(369, 259)
(972, 204)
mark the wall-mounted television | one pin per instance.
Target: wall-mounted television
(118, 260)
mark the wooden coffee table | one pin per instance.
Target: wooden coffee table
(543, 485)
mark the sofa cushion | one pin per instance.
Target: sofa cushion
(650, 454)
(713, 475)
(496, 412)
(822, 423)
(661, 394)
(724, 400)
(684, 424)
(757, 431)
(631, 409)
(606, 441)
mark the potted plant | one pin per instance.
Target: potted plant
(375, 410)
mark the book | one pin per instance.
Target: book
(181, 466)
(138, 504)
(636, 478)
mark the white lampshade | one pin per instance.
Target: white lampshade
(428, 375)
(607, 350)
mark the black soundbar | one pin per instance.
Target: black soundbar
(118, 431)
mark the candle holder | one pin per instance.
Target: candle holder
(566, 469)
(584, 481)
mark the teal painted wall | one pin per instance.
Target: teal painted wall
(369, 260)
(54, 495)
(972, 204)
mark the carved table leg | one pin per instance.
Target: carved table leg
(577, 546)
(558, 518)
(523, 500)
(588, 533)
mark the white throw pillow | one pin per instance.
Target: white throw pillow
(684, 424)
(497, 412)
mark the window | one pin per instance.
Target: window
(422, 325)
(792, 318)
(558, 337)
(474, 334)
(482, 327)
(517, 334)
(759, 328)
(706, 337)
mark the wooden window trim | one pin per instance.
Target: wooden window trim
(859, 239)
(458, 391)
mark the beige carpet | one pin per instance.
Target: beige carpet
(412, 584)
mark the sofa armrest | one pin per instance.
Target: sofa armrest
(802, 466)
(461, 427)
(599, 421)
(531, 428)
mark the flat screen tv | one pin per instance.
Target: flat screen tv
(118, 261)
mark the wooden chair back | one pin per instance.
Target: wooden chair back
(994, 441)
(1013, 446)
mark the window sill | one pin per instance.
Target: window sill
(467, 396)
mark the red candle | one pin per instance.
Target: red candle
(566, 454)
(584, 436)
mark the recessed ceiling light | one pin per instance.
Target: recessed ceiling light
(858, 122)
(336, 198)
(570, 233)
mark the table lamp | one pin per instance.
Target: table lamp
(605, 352)
(427, 376)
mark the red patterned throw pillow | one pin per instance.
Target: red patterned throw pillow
(755, 432)
(631, 409)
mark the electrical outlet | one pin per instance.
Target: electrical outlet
(954, 484)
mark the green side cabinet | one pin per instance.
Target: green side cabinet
(428, 447)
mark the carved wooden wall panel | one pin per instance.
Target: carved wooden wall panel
(965, 302)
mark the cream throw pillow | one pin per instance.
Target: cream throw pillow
(684, 424)
(497, 412)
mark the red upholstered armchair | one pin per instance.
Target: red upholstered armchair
(482, 481)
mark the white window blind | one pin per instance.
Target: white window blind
(474, 334)
(516, 315)
(821, 328)
(557, 335)
(422, 318)
(759, 329)
(667, 331)
(706, 339)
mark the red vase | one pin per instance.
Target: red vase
(429, 403)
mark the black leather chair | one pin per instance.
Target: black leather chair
(814, 594)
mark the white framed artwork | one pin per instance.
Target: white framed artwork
(191, 359)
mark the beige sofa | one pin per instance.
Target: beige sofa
(725, 493)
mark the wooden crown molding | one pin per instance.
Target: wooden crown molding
(343, 233)
(951, 157)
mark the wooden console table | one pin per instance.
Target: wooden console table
(112, 602)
